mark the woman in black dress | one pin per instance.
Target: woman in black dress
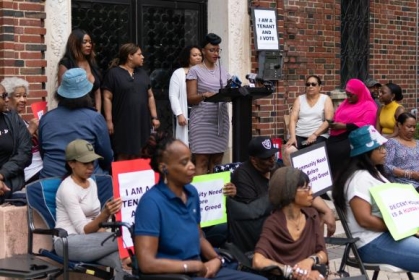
(129, 105)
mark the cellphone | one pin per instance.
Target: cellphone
(304, 143)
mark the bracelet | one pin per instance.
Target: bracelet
(287, 271)
(185, 268)
(203, 97)
(154, 118)
(408, 174)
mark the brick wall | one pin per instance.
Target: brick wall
(22, 45)
(309, 34)
(393, 41)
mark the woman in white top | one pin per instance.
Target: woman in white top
(78, 211)
(351, 194)
(309, 115)
(188, 57)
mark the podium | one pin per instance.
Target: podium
(242, 115)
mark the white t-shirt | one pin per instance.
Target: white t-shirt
(76, 206)
(359, 185)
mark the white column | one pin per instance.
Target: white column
(231, 21)
(58, 25)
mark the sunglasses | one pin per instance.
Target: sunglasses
(4, 95)
(311, 84)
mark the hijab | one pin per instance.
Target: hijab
(363, 112)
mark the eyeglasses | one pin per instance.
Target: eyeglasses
(311, 84)
(305, 188)
(4, 95)
(215, 50)
(381, 149)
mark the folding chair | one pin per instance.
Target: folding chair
(355, 260)
(41, 199)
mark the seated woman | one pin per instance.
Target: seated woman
(390, 95)
(168, 237)
(18, 90)
(351, 194)
(357, 110)
(15, 147)
(291, 237)
(308, 121)
(402, 164)
(79, 213)
(73, 119)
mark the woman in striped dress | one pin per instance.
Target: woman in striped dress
(208, 122)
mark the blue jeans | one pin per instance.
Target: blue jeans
(384, 249)
(229, 274)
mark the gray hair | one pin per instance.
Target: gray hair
(283, 186)
(12, 83)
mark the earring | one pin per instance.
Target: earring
(165, 172)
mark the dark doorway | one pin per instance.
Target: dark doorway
(354, 40)
(160, 27)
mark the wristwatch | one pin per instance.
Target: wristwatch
(222, 260)
(315, 258)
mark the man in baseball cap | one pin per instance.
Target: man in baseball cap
(374, 88)
(251, 178)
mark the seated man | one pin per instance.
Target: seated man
(250, 206)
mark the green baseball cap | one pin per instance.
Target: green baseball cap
(82, 151)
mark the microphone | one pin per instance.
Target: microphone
(253, 78)
(219, 66)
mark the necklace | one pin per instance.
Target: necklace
(298, 223)
(129, 70)
(212, 72)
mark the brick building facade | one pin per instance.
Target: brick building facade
(22, 44)
(310, 36)
(310, 39)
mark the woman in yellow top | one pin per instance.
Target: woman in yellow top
(390, 95)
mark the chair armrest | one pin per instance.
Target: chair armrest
(226, 254)
(340, 240)
(164, 277)
(54, 231)
(272, 269)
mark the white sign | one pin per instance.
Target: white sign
(313, 161)
(266, 32)
(132, 187)
(211, 200)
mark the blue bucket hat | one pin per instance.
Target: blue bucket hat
(74, 84)
(365, 139)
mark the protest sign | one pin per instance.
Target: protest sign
(399, 207)
(313, 161)
(212, 200)
(131, 179)
(266, 32)
(39, 109)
